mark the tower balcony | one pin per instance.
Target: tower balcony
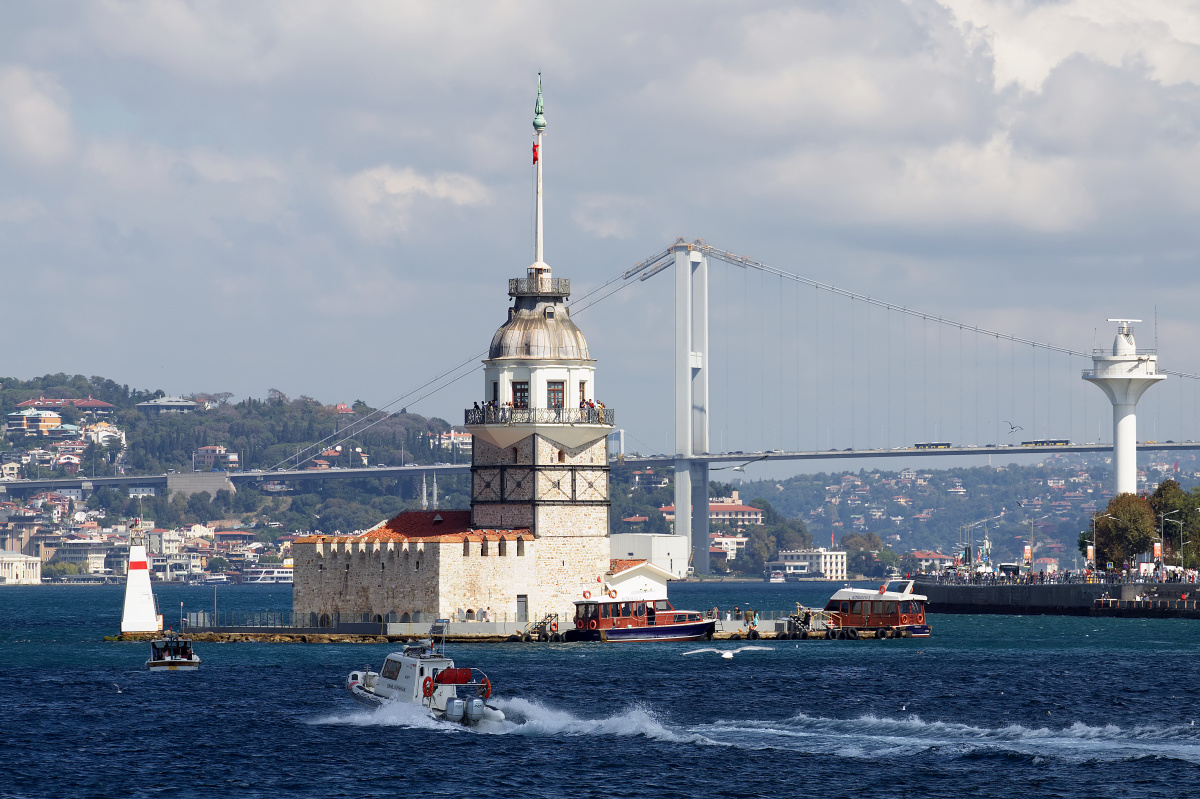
(539, 416)
(539, 287)
(570, 427)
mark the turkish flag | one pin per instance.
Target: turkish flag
(535, 153)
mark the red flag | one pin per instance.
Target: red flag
(1176, 466)
(535, 153)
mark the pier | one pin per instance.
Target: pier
(1157, 600)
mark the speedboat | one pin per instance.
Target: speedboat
(172, 654)
(422, 674)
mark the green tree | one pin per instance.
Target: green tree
(217, 564)
(1125, 530)
(57, 568)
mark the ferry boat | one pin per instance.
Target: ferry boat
(268, 576)
(423, 675)
(775, 576)
(633, 606)
(215, 579)
(172, 654)
(891, 611)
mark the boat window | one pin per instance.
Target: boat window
(845, 606)
(832, 605)
(680, 618)
(604, 611)
(641, 609)
(589, 610)
(877, 607)
(662, 604)
(889, 607)
(855, 607)
(625, 610)
(390, 670)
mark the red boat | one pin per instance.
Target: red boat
(632, 606)
(891, 611)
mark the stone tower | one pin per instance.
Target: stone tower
(540, 451)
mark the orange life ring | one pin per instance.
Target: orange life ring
(487, 688)
(553, 626)
(883, 588)
(612, 594)
(427, 687)
(592, 624)
(587, 594)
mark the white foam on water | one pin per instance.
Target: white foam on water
(390, 714)
(873, 737)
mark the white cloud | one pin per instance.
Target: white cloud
(379, 201)
(608, 215)
(35, 124)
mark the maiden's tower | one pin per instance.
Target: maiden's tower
(537, 532)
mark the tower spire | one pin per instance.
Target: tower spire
(539, 268)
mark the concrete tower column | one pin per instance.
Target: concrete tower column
(1124, 375)
(691, 400)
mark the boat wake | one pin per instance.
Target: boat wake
(872, 737)
(523, 718)
(867, 737)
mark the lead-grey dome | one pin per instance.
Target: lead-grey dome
(539, 327)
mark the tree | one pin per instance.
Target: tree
(58, 568)
(1128, 533)
(217, 564)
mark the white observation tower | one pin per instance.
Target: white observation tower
(1124, 375)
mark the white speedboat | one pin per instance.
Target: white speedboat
(172, 654)
(423, 675)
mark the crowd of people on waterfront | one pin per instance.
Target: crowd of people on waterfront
(1123, 576)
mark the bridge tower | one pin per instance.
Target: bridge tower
(691, 399)
(1123, 375)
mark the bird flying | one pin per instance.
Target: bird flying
(729, 653)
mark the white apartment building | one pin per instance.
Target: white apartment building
(809, 561)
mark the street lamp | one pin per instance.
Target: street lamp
(1176, 521)
(1162, 520)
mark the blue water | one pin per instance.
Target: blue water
(990, 706)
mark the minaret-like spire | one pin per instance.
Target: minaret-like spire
(539, 268)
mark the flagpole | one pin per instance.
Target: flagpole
(539, 126)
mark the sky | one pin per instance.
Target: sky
(327, 199)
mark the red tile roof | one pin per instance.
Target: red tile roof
(440, 526)
(618, 565)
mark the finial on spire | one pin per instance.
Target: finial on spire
(539, 121)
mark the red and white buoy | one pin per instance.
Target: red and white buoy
(140, 614)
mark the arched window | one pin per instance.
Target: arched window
(325, 621)
(562, 456)
(503, 547)
(483, 548)
(520, 546)
(405, 618)
(466, 547)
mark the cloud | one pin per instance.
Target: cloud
(35, 124)
(379, 202)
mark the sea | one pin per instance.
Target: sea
(989, 706)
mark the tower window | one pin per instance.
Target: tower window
(550, 312)
(502, 547)
(562, 456)
(495, 391)
(583, 391)
(483, 548)
(554, 394)
(466, 547)
(520, 394)
(520, 546)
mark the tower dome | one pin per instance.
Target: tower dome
(539, 326)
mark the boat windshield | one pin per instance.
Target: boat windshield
(900, 586)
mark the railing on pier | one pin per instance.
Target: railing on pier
(604, 416)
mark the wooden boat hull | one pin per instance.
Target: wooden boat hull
(685, 631)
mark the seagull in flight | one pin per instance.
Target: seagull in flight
(729, 653)
(1012, 428)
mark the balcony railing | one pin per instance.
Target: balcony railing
(606, 416)
(537, 286)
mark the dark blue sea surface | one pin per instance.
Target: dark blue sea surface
(989, 706)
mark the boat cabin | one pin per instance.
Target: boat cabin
(643, 613)
(892, 605)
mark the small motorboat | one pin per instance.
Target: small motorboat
(172, 654)
(423, 675)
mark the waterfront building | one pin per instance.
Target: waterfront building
(18, 569)
(537, 531)
(832, 564)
